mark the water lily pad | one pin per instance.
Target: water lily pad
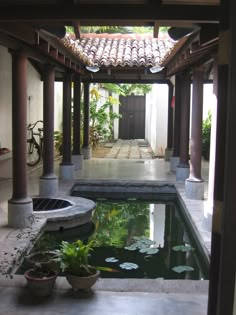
(111, 259)
(132, 247)
(149, 251)
(182, 248)
(180, 269)
(128, 266)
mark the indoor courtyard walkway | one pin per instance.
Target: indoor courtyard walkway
(109, 296)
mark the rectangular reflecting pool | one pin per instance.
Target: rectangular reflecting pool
(138, 239)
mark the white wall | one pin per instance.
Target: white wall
(58, 101)
(34, 95)
(156, 118)
(34, 98)
(5, 98)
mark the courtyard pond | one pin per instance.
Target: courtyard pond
(137, 239)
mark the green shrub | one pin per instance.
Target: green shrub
(206, 136)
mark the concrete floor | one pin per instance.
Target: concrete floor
(117, 297)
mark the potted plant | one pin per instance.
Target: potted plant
(41, 276)
(74, 264)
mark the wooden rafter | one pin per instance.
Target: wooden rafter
(69, 12)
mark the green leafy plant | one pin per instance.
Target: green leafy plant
(58, 139)
(206, 136)
(73, 258)
(101, 117)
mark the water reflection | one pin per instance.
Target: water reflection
(116, 223)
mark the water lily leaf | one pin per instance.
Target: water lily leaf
(111, 259)
(131, 247)
(182, 248)
(180, 269)
(149, 251)
(128, 266)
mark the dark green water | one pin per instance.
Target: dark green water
(117, 225)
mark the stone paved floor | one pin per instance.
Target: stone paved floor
(15, 297)
(130, 149)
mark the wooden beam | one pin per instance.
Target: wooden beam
(21, 31)
(70, 11)
(76, 25)
(156, 29)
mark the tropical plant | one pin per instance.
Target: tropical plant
(73, 258)
(58, 141)
(206, 136)
(101, 117)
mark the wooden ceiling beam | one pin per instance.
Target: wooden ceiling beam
(70, 11)
(76, 26)
(156, 29)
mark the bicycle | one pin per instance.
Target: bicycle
(34, 148)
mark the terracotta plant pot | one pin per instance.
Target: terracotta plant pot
(40, 286)
(82, 283)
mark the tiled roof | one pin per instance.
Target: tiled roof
(124, 50)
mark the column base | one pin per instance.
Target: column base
(20, 212)
(174, 161)
(66, 172)
(194, 189)
(87, 153)
(182, 173)
(78, 160)
(48, 186)
(168, 154)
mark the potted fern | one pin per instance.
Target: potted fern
(73, 258)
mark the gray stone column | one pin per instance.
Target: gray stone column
(86, 149)
(168, 150)
(182, 169)
(174, 160)
(77, 157)
(194, 185)
(66, 166)
(20, 206)
(48, 185)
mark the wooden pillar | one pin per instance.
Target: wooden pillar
(227, 268)
(77, 157)
(66, 167)
(177, 118)
(66, 157)
(195, 184)
(86, 131)
(174, 161)
(48, 181)
(169, 122)
(219, 183)
(76, 115)
(20, 206)
(48, 119)
(182, 169)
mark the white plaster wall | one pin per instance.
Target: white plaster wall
(34, 98)
(5, 98)
(58, 101)
(156, 118)
(34, 95)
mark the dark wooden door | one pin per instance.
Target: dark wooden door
(132, 123)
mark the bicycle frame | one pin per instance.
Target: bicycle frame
(34, 149)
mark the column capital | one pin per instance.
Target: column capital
(18, 52)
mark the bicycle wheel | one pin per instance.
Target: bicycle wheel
(33, 153)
